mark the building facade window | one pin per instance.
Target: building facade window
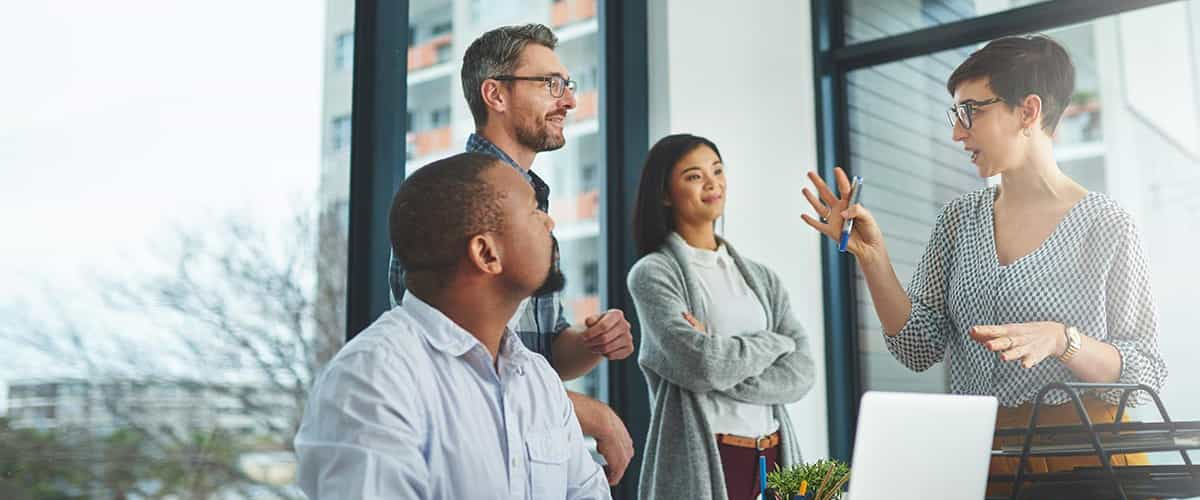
(440, 118)
(340, 134)
(343, 52)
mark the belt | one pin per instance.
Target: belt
(759, 443)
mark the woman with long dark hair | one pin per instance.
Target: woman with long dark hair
(721, 350)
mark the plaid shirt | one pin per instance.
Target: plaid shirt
(540, 319)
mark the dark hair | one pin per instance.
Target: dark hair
(495, 53)
(1018, 66)
(438, 209)
(652, 220)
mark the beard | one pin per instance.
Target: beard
(555, 280)
(538, 137)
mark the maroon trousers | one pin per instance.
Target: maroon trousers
(741, 469)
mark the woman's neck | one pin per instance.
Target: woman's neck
(697, 234)
(1038, 181)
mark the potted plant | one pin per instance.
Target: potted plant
(820, 480)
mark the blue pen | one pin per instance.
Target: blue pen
(855, 193)
(762, 475)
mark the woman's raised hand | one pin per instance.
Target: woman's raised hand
(866, 240)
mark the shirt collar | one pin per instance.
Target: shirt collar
(479, 144)
(447, 336)
(702, 256)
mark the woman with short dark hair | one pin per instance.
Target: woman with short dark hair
(1033, 281)
(721, 350)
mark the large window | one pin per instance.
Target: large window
(174, 264)
(900, 143)
(1130, 131)
(435, 91)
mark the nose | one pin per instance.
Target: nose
(549, 223)
(568, 99)
(960, 133)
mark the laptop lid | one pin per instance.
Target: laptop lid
(922, 446)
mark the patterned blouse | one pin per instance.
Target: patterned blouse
(1090, 273)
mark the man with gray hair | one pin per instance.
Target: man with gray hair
(519, 94)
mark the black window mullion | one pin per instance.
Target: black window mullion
(625, 131)
(837, 273)
(377, 153)
(1032, 18)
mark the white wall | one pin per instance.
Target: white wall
(1152, 171)
(1159, 71)
(741, 75)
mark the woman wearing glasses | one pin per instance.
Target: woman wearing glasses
(721, 351)
(1033, 281)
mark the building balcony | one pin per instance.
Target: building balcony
(580, 207)
(564, 12)
(427, 142)
(429, 53)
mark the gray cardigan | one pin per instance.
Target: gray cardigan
(767, 367)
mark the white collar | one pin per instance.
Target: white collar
(702, 256)
(447, 336)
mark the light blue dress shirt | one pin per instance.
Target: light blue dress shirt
(413, 407)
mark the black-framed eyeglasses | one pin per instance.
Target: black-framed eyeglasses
(963, 113)
(557, 84)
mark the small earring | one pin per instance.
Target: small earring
(1027, 132)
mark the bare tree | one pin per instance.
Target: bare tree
(238, 317)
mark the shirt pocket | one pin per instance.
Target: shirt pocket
(548, 453)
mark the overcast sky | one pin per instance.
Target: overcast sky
(123, 117)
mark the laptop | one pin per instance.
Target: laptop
(922, 446)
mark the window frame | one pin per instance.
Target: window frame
(833, 60)
(378, 157)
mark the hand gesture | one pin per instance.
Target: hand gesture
(866, 239)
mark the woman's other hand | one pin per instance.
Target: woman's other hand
(1029, 343)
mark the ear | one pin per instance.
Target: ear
(484, 254)
(1031, 112)
(494, 95)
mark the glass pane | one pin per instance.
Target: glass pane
(871, 19)
(1131, 131)
(440, 121)
(897, 113)
(900, 144)
(1146, 155)
(174, 271)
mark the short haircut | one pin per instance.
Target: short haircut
(653, 221)
(1018, 66)
(439, 208)
(496, 53)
